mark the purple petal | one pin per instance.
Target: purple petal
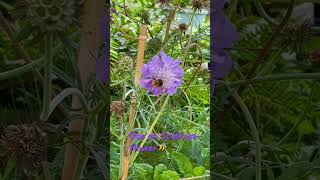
(222, 64)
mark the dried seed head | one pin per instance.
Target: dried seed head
(118, 107)
(183, 27)
(47, 15)
(197, 4)
(27, 143)
(297, 34)
(125, 63)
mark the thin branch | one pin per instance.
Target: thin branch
(21, 51)
(221, 114)
(254, 133)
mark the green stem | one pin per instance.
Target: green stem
(263, 13)
(271, 78)
(47, 87)
(122, 139)
(221, 176)
(288, 1)
(151, 128)
(191, 27)
(254, 132)
(20, 70)
(197, 177)
(233, 7)
(169, 21)
(61, 96)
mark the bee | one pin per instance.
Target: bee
(157, 82)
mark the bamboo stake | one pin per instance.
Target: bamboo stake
(133, 106)
(140, 55)
(89, 45)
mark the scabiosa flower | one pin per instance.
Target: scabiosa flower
(103, 62)
(162, 75)
(224, 37)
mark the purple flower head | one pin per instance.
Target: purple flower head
(223, 36)
(103, 62)
(162, 75)
(218, 5)
(222, 64)
(224, 33)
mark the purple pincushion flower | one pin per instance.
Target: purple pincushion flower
(162, 75)
(223, 36)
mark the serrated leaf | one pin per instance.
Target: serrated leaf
(158, 170)
(101, 163)
(198, 171)
(247, 173)
(184, 164)
(296, 170)
(169, 175)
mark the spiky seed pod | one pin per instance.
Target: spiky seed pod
(48, 15)
(27, 143)
(183, 27)
(125, 63)
(296, 37)
(118, 107)
(197, 4)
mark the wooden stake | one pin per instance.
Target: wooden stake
(140, 55)
(133, 106)
(89, 45)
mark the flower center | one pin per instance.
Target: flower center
(157, 82)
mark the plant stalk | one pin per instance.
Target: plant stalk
(169, 21)
(20, 70)
(47, 87)
(133, 105)
(75, 160)
(151, 128)
(21, 51)
(254, 132)
(279, 77)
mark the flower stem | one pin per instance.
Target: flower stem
(272, 78)
(122, 139)
(169, 21)
(254, 132)
(263, 13)
(151, 128)
(47, 88)
(19, 48)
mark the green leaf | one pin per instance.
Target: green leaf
(296, 170)
(148, 169)
(25, 33)
(169, 175)
(184, 164)
(101, 163)
(9, 168)
(46, 171)
(198, 171)
(158, 170)
(247, 173)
